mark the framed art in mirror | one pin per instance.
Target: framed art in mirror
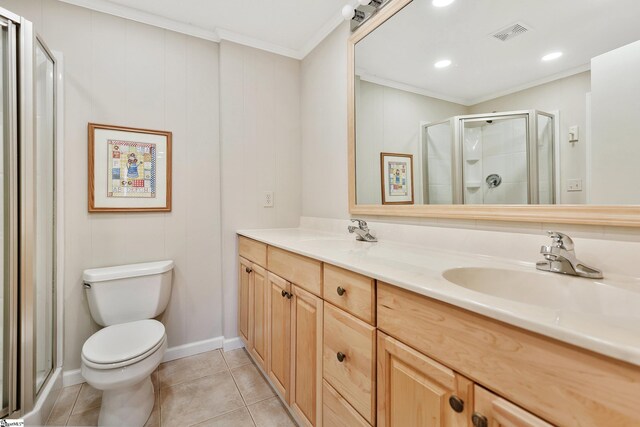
(129, 169)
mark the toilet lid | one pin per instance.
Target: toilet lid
(126, 341)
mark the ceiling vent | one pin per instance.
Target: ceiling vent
(510, 32)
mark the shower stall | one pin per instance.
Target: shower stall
(496, 158)
(29, 173)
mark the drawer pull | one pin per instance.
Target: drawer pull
(456, 403)
(286, 294)
(341, 357)
(479, 420)
(248, 270)
(341, 291)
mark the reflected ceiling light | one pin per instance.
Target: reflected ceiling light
(443, 63)
(552, 56)
(442, 3)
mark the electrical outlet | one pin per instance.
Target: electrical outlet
(574, 185)
(267, 199)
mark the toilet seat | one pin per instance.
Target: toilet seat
(123, 344)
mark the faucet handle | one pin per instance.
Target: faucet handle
(561, 240)
(361, 223)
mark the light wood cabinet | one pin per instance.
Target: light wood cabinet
(349, 363)
(258, 294)
(414, 390)
(279, 333)
(351, 292)
(491, 410)
(306, 356)
(244, 279)
(336, 411)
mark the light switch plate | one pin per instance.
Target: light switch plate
(267, 199)
(574, 134)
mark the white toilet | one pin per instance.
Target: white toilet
(120, 358)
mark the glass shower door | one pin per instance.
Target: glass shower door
(8, 215)
(44, 69)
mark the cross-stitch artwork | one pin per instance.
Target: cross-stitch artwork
(131, 169)
(398, 178)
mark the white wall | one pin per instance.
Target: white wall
(324, 127)
(615, 126)
(125, 73)
(567, 95)
(260, 137)
(388, 120)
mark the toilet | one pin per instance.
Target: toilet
(120, 358)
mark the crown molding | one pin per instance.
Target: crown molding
(214, 35)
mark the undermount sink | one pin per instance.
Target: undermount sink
(549, 290)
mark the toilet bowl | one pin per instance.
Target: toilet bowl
(120, 358)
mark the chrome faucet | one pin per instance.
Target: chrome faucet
(560, 257)
(362, 231)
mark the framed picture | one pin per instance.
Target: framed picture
(396, 171)
(129, 169)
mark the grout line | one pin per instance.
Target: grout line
(74, 405)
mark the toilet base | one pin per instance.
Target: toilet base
(129, 406)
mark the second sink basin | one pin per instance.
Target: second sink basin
(554, 291)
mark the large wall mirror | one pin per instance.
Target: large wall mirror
(497, 109)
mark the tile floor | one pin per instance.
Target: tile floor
(213, 389)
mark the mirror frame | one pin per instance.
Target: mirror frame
(610, 215)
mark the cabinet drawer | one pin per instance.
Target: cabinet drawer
(253, 251)
(350, 291)
(297, 269)
(336, 412)
(354, 376)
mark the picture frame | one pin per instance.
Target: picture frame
(129, 169)
(396, 173)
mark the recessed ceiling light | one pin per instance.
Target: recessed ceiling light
(552, 56)
(442, 64)
(442, 3)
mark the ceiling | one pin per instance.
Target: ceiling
(287, 27)
(402, 52)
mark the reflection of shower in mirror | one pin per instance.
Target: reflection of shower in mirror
(494, 158)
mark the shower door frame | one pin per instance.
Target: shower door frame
(11, 321)
(532, 152)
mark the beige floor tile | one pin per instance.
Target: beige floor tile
(199, 400)
(237, 418)
(190, 368)
(88, 398)
(271, 413)
(154, 418)
(236, 358)
(252, 384)
(89, 418)
(64, 404)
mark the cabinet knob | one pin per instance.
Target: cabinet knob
(286, 294)
(341, 356)
(248, 270)
(456, 403)
(341, 291)
(479, 420)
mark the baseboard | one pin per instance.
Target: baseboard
(73, 377)
(232, 344)
(193, 348)
(48, 396)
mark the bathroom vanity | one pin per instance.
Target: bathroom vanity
(363, 334)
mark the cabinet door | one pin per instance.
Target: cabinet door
(244, 277)
(491, 410)
(414, 390)
(258, 294)
(306, 357)
(279, 330)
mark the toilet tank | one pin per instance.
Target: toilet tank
(127, 293)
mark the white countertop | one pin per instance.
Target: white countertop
(609, 330)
